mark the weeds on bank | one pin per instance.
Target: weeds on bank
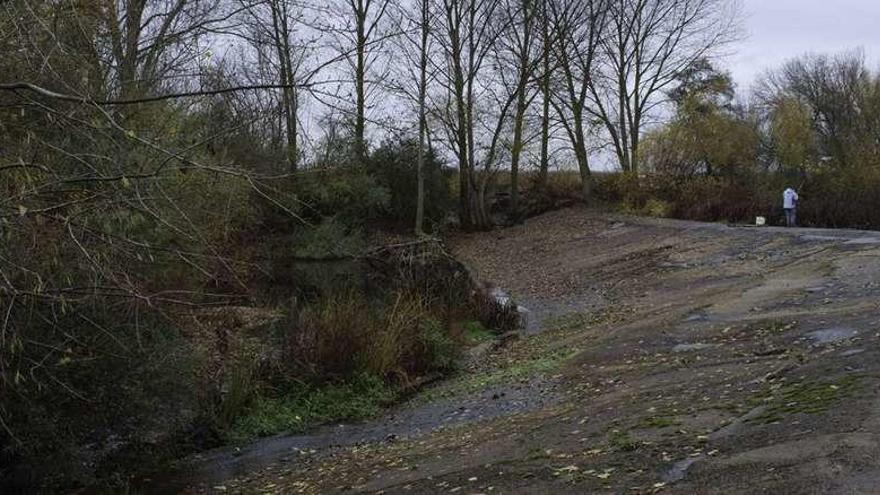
(506, 373)
(475, 333)
(342, 358)
(531, 356)
(803, 397)
(345, 358)
(303, 406)
(658, 422)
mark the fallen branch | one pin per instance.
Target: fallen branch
(33, 88)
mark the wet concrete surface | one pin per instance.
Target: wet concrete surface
(407, 420)
(730, 361)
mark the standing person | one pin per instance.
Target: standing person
(789, 204)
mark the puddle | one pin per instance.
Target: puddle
(692, 347)
(678, 470)
(866, 240)
(852, 352)
(697, 317)
(529, 323)
(822, 238)
(832, 335)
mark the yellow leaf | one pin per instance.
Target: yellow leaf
(22, 210)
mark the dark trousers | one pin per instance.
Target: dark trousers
(791, 217)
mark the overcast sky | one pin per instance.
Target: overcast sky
(778, 30)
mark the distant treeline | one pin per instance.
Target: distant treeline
(813, 124)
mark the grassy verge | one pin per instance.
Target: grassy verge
(509, 373)
(306, 406)
(533, 356)
(803, 397)
(298, 407)
(475, 333)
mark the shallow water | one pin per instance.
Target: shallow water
(832, 335)
(678, 470)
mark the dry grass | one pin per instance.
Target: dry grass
(345, 335)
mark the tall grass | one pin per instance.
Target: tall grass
(343, 356)
(345, 335)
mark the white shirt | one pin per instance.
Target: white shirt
(789, 198)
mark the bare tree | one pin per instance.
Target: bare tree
(648, 43)
(424, 39)
(362, 37)
(413, 75)
(544, 84)
(466, 36)
(272, 26)
(839, 94)
(147, 40)
(517, 51)
(577, 33)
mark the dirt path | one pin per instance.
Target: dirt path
(677, 358)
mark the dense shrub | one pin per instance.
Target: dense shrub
(331, 238)
(100, 386)
(687, 197)
(846, 198)
(349, 194)
(394, 164)
(401, 339)
(829, 198)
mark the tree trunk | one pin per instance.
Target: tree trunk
(586, 184)
(582, 155)
(545, 115)
(464, 167)
(360, 82)
(423, 89)
(516, 152)
(586, 176)
(287, 78)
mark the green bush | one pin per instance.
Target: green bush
(440, 347)
(349, 194)
(657, 208)
(687, 197)
(301, 405)
(847, 197)
(330, 238)
(59, 407)
(394, 167)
